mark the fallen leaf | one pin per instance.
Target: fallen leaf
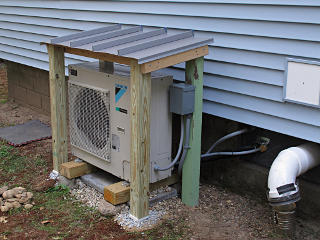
(46, 222)
(41, 208)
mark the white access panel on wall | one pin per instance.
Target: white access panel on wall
(303, 82)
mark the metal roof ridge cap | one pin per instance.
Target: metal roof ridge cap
(143, 35)
(84, 33)
(174, 51)
(142, 46)
(106, 36)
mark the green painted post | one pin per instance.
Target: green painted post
(191, 168)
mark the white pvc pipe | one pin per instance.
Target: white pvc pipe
(289, 164)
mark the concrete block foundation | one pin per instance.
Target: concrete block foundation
(28, 86)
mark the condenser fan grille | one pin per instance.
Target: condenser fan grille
(89, 118)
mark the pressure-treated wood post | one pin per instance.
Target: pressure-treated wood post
(191, 168)
(140, 85)
(58, 105)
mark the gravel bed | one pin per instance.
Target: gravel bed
(86, 194)
(125, 220)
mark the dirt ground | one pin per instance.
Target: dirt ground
(221, 214)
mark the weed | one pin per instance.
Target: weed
(10, 160)
(40, 162)
(3, 101)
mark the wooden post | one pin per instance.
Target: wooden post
(140, 85)
(191, 168)
(58, 105)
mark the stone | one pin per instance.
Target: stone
(23, 200)
(28, 206)
(4, 208)
(16, 204)
(18, 195)
(12, 199)
(107, 209)
(18, 190)
(29, 195)
(70, 183)
(3, 189)
(9, 205)
(8, 194)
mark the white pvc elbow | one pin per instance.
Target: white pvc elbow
(288, 165)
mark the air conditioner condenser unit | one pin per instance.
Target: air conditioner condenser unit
(99, 119)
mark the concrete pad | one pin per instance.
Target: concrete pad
(98, 180)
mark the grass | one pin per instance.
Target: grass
(11, 161)
(3, 101)
(67, 217)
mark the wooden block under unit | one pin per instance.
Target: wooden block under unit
(119, 192)
(75, 169)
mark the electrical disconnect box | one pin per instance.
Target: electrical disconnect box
(182, 98)
(99, 119)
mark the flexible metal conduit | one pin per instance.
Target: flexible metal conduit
(157, 168)
(228, 136)
(186, 145)
(254, 150)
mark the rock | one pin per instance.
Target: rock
(19, 196)
(23, 200)
(29, 195)
(3, 189)
(28, 206)
(8, 204)
(16, 204)
(70, 183)
(12, 199)
(18, 190)
(80, 184)
(4, 208)
(8, 194)
(106, 208)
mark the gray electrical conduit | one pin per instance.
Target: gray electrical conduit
(230, 135)
(157, 168)
(186, 146)
(206, 155)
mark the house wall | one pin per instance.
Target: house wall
(244, 72)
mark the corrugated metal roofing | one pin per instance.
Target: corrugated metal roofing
(132, 42)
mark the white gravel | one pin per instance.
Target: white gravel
(86, 194)
(125, 220)
(91, 197)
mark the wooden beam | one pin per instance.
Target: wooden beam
(75, 169)
(174, 59)
(120, 192)
(58, 102)
(98, 55)
(140, 85)
(191, 168)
